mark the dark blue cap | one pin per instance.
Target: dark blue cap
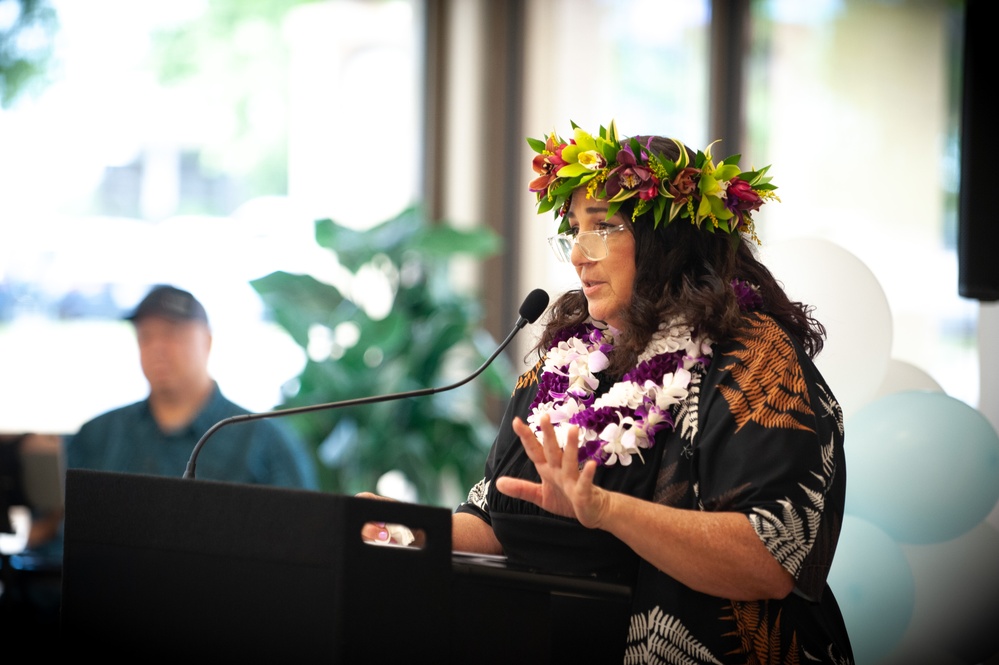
(169, 302)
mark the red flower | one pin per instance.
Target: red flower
(740, 197)
(630, 176)
(547, 165)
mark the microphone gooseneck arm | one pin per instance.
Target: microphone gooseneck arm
(530, 310)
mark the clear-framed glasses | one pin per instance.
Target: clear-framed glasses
(592, 243)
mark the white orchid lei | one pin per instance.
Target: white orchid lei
(624, 420)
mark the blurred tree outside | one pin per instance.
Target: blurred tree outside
(27, 28)
(401, 321)
(235, 56)
(401, 324)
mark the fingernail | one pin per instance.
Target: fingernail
(383, 535)
(380, 525)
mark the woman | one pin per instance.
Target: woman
(674, 433)
(718, 488)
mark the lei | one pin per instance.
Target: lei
(624, 420)
(615, 169)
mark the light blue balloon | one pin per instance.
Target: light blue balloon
(921, 465)
(874, 587)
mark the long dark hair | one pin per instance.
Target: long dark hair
(685, 272)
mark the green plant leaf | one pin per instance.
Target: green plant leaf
(296, 302)
(430, 338)
(447, 240)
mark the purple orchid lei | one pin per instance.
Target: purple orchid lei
(618, 425)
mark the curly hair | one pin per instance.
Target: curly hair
(684, 272)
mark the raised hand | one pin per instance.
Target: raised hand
(565, 489)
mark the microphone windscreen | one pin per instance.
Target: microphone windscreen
(534, 304)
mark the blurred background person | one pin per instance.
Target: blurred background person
(157, 435)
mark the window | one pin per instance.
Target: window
(200, 160)
(856, 104)
(852, 102)
(642, 63)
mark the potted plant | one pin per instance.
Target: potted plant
(430, 337)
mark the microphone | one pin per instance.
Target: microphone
(532, 307)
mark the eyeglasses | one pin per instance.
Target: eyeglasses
(593, 243)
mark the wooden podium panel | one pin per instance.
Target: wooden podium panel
(157, 566)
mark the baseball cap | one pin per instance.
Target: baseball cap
(170, 302)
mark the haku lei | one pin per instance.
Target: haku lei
(624, 420)
(711, 196)
(620, 423)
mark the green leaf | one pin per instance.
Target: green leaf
(573, 170)
(726, 172)
(609, 151)
(355, 248)
(537, 145)
(660, 208)
(297, 301)
(565, 187)
(445, 240)
(427, 340)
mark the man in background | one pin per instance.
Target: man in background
(157, 435)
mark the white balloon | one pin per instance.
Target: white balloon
(849, 302)
(902, 376)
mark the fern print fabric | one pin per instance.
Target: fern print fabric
(769, 445)
(761, 435)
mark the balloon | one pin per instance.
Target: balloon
(874, 587)
(957, 593)
(850, 303)
(901, 376)
(921, 465)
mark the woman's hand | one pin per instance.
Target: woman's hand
(388, 534)
(565, 488)
(714, 552)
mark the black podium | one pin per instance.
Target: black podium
(157, 566)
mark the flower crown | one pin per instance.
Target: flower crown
(609, 169)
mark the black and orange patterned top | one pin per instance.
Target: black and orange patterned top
(764, 437)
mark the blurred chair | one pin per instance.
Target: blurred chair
(32, 476)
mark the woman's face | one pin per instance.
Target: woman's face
(607, 283)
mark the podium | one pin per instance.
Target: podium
(180, 567)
